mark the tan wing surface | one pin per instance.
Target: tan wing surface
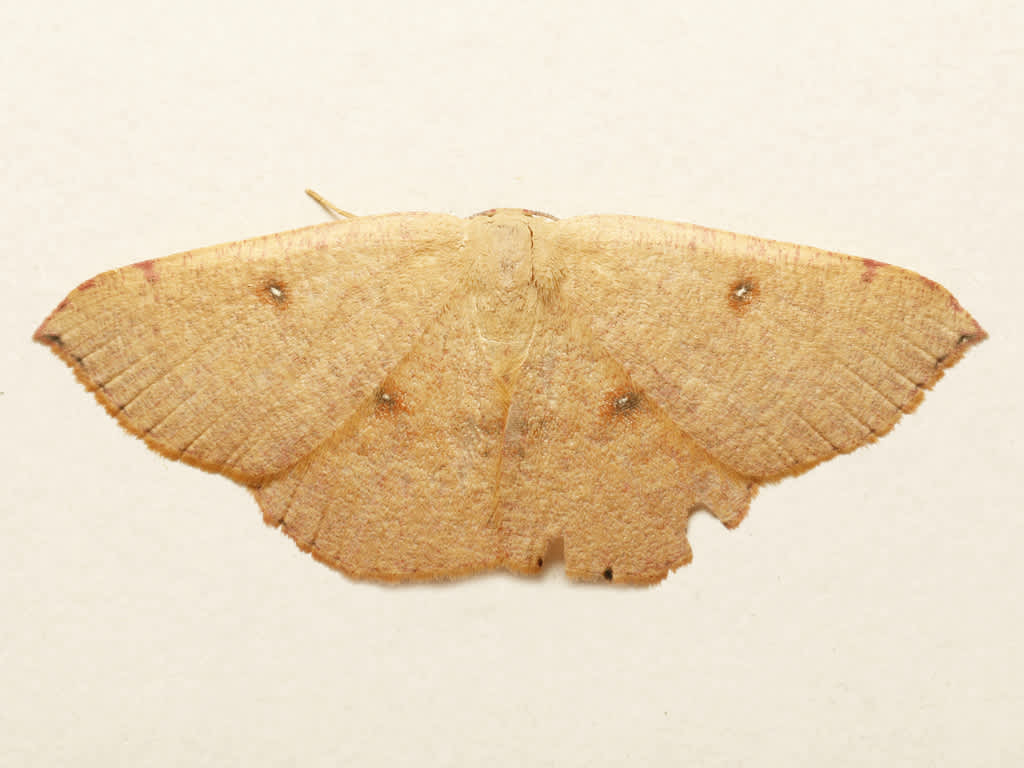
(405, 488)
(589, 457)
(772, 356)
(241, 358)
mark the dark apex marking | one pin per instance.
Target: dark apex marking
(608, 574)
(964, 339)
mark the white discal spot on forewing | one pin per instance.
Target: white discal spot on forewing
(742, 293)
(274, 291)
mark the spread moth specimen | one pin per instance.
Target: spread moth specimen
(418, 396)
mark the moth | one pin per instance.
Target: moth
(421, 396)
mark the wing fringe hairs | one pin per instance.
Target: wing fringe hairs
(419, 396)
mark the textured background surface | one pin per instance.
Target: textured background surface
(865, 612)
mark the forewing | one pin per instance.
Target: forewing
(241, 358)
(772, 356)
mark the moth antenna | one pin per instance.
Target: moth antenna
(329, 206)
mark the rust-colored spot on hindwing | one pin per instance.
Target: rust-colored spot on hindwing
(626, 402)
(389, 400)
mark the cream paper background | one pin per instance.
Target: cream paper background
(865, 613)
